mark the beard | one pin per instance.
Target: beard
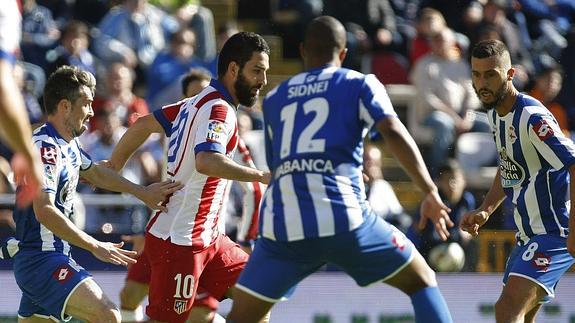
(498, 97)
(244, 91)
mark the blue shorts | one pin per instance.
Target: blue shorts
(47, 279)
(543, 260)
(373, 252)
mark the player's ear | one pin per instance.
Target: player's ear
(234, 69)
(65, 105)
(510, 74)
(342, 54)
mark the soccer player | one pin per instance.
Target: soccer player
(315, 211)
(536, 162)
(138, 277)
(53, 285)
(186, 242)
(14, 123)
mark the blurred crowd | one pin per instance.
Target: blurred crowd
(140, 49)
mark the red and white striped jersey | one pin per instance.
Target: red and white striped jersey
(205, 122)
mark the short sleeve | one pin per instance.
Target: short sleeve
(548, 139)
(374, 101)
(216, 126)
(51, 164)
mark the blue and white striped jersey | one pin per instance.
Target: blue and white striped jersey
(61, 162)
(534, 160)
(315, 123)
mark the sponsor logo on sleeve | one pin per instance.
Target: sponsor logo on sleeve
(49, 155)
(543, 130)
(216, 130)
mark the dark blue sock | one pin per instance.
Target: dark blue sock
(430, 307)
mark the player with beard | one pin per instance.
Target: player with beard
(53, 285)
(184, 245)
(536, 162)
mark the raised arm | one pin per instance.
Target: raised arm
(134, 137)
(406, 152)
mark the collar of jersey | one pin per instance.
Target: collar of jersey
(52, 131)
(222, 89)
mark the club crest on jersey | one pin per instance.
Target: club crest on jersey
(512, 134)
(512, 174)
(543, 130)
(215, 130)
(180, 306)
(49, 155)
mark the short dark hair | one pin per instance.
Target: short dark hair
(240, 48)
(193, 75)
(65, 83)
(450, 166)
(488, 48)
(324, 36)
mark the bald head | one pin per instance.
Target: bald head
(324, 39)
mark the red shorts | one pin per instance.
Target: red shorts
(176, 271)
(141, 272)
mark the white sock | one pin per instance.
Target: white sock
(218, 319)
(133, 316)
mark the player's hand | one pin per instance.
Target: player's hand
(473, 220)
(108, 164)
(138, 242)
(114, 254)
(434, 209)
(27, 175)
(155, 194)
(266, 178)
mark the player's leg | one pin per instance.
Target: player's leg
(131, 296)
(417, 280)
(34, 319)
(204, 308)
(533, 270)
(174, 280)
(272, 271)
(530, 316)
(377, 251)
(135, 289)
(89, 303)
(519, 297)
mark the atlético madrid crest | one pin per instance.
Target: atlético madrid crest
(180, 306)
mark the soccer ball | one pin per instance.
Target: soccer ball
(446, 257)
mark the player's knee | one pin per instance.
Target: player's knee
(506, 309)
(127, 300)
(109, 315)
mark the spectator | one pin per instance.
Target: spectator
(451, 185)
(73, 49)
(119, 96)
(169, 66)
(547, 85)
(39, 33)
(201, 20)
(445, 98)
(429, 22)
(133, 33)
(380, 194)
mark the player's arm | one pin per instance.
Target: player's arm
(215, 164)
(473, 220)
(571, 236)
(406, 152)
(16, 131)
(152, 195)
(53, 219)
(133, 139)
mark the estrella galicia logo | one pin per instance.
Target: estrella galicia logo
(512, 174)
